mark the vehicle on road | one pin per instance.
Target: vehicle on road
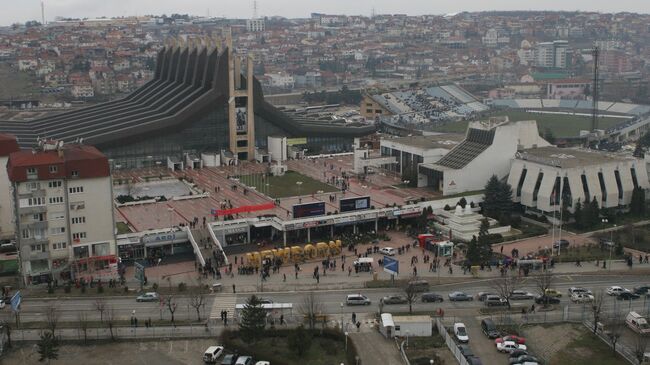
(229, 359)
(521, 295)
(637, 323)
(483, 294)
(641, 290)
(509, 346)
(357, 299)
(494, 301)
(582, 298)
(461, 333)
(147, 297)
(244, 360)
(459, 296)
(466, 351)
(514, 338)
(388, 251)
(628, 296)
(418, 286)
(432, 297)
(560, 244)
(213, 353)
(615, 290)
(523, 359)
(577, 289)
(552, 293)
(489, 328)
(545, 299)
(393, 299)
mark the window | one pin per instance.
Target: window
(57, 230)
(79, 235)
(54, 184)
(56, 200)
(39, 247)
(59, 245)
(76, 189)
(35, 201)
(31, 171)
(368, 110)
(39, 217)
(57, 215)
(54, 169)
(33, 186)
(78, 220)
(25, 233)
(74, 173)
(77, 205)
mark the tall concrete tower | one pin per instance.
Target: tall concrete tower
(241, 107)
(43, 12)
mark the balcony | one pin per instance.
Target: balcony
(33, 209)
(39, 255)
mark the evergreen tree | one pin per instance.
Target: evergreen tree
(473, 252)
(48, 347)
(637, 204)
(491, 200)
(504, 199)
(483, 241)
(593, 213)
(253, 319)
(462, 202)
(578, 214)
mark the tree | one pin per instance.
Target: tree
(299, 340)
(505, 285)
(311, 308)
(637, 203)
(462, 202)
(614, 330)
(110, 320)
(48, 347)
(597, 307)
(490, 202)
(197, 300)
(253, 319)
(170, 302)
(473, 256)
(52, 317)
(504, 200)
(544, 281)
(100, 306)
(82, 319)
(577, 214)
(410, 294)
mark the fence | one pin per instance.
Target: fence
(450, 343)
(76, 334)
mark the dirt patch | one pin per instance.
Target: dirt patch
(548, 340)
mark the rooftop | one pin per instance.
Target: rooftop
(567, 157)
(446, 141)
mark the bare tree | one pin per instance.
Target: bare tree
(82, 318)
(410, 294)
(197, 300)
(639, 347)
(544, 281)
(311, 308)
(614, 329)
(170, 302)
(100, 306)
(597, 307)
(110, 320)
(505, 285)
(52, 317)
(6, 325)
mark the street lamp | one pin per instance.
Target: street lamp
(346, 342)
(299, 183)
(341, 316)
(611, 241)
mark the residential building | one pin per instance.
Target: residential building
(551, 54)
(63, 209)
(255, 25)
(8, 145)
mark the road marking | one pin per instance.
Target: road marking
(223, 302)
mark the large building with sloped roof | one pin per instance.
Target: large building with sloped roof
(197, 102)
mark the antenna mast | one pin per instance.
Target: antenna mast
(255, 9)
(595, 91)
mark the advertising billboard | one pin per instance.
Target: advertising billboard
(352, 204)
(241, 112)
(309, 210)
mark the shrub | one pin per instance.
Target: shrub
(447, 207)
(182, 286)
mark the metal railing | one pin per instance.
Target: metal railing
(103, 333)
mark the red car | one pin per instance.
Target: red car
(516, 339)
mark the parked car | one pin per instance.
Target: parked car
(552, 293)
(582, 298)
(388, 251)
(489, 328)
(459, 296)
(545, 299)
(523, 359)
(466, 351)
(244, 360)
(494, 301)
(483, 294)
(577, 289)
(474, 361)
(266, 301)
(641, 290)
(521, 295)
(262, 363)
(147, 297)
(637, 323)
(616, 290)
(560, 244)
(516, 353)
(432, 297)
(213, 353)
(627, 296)
(461, 333)
(357, 299)
(393, 299)
(229, 359)
(508, 346)
(514, 338)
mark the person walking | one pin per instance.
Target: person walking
(233, 289)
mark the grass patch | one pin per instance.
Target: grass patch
(587, 349)
(560, 125)
(423, 349)
(122, 228)
(286, 186)
(588, 252)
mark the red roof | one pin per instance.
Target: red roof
(8, 144)
(85, 161)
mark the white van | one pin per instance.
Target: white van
(637, 323)
(213, 353)
(357, 299)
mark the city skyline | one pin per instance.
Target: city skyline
(22, 12)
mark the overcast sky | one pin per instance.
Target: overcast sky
(23, 10)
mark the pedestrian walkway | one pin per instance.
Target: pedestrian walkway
(373, 348)
(223, 302)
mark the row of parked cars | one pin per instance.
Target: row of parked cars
(214, 353)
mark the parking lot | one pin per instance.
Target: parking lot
(177, 352)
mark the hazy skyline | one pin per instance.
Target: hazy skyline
(21, 11)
